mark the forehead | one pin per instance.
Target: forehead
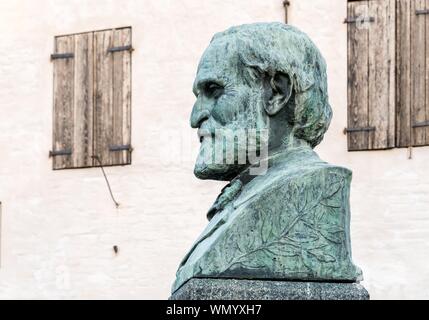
(219, 61)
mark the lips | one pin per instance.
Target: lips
(204, 131)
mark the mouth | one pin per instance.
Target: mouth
(202, 133)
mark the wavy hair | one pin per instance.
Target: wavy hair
(277, 47)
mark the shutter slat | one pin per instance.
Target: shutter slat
(403, 80)
(392, 25)
(381, 79)
(358, 78)
(63, 103)
(122, 96)
(83, 101)
(104, 96)
(418, 72)
(113, 96)
(426, 17)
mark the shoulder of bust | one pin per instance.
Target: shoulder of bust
(278, 181)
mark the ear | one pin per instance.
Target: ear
(279, 93)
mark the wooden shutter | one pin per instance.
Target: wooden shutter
(73, 96)
(92, 99)
(413, 73)
(112, 143)
(371, 75)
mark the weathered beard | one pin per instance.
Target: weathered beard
(220, 172)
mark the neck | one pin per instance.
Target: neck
(289, 144)
(289, 153)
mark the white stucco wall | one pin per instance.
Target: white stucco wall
(59, 227)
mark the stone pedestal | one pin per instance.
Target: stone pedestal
(226, 289)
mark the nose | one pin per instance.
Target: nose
(199, 114)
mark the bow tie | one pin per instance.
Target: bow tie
(229, 192)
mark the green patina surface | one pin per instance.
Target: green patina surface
(290, 222)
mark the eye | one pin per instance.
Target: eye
(213, 90)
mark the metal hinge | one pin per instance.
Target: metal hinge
(126, 147)
(123, 48)
(421, 124)
(359, 19)
(66, 152)
(420, 12)
(365, 129)
(55, 56)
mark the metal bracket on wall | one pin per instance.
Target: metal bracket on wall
(126, 147)
(286, 4)
(420, 12)
(66, 152)
(421, 124)
(122, 48)
(366, 129)
(56, 56)
(359, 19)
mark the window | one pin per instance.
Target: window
(388, 77)
(92, 99)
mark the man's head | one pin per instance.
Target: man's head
(267, 78)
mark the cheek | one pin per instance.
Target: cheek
(232, 107)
